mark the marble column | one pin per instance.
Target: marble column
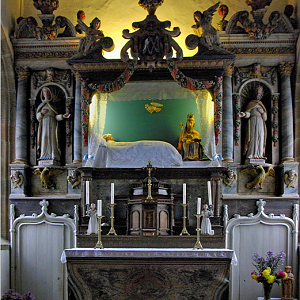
(21, 135)
(287, 116)
(77, 158)
(227, 116)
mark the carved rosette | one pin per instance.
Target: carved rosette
(275, 118)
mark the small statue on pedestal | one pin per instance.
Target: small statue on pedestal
(206, 213)
(287, 285)
(93, 222)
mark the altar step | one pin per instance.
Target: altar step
(170, 241)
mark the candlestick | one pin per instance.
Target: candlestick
(184, 230)
(99, 242)
(112, 193)
(184, 193)
(209, 193)
(198, 243)
(199, 206)
(112, 217)
(87, 192)
(99, 208)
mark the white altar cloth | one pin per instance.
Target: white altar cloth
(149, 253)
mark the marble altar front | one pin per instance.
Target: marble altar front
(148, 273)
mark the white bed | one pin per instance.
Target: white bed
(113, 154)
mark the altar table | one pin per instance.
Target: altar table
(148, 273)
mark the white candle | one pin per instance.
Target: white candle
(199, 206)
(184, 193)
(209, 193)
(99, 208)
(112, 193)
(87, 192)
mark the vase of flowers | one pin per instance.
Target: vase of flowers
(266, 270)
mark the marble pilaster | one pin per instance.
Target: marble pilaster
(18, 180)
(227, 116)
(287, 117)
(77, 158)
(21, 144)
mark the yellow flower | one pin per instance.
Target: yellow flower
(266, 272)
(271, 279)
(254, 276)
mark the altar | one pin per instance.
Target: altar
(148, 273)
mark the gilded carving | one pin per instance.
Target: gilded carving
(259, 175)
(286, 68)
(46, 176)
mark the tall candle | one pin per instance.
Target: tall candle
(87, 192)
(209, 193)
(199, 206)
(184, 193)
(112, 193)
(99, 208)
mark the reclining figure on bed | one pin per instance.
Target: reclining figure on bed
(112, 154)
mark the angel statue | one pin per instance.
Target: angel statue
(259, 175)
(203, 28)
(74, 179)
(92, 35)
(290, 178)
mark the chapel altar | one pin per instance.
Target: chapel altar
(154, 153)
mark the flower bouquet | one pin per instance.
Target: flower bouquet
(266, 270)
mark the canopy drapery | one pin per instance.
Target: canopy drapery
(94, 112)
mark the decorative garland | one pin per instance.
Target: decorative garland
(195, 84)
(87, 91)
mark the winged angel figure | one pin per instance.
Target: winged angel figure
(203, 28)
(259, 175)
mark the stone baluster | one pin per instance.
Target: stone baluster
(287, 117)
(228, 116)
(77, 158)
(21, 145)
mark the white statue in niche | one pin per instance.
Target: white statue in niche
(256, 131)
(48, 119)
(205, 223)
(93, 222)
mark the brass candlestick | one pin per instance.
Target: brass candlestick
(184, 230)
(99, 243)
(112, 217)
(198, 244)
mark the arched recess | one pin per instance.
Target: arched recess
(37, 243)
(246, 93)
(62, 103)
(259, 233)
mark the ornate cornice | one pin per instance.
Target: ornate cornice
(266, 51)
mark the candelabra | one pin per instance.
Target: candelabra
(184, 230)
(99, 243)
(198, 244)
(112, 217)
